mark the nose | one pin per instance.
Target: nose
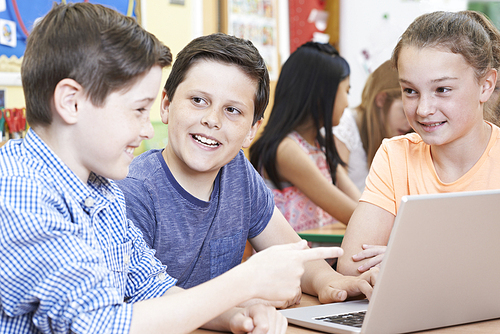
(425, 106)
(211, 118)
(147, 130)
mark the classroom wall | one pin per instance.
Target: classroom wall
(365, 25)
(171, 24)
(10, 81)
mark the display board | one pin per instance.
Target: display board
(18, 16)
(256, 20)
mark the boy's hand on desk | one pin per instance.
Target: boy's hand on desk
(257, 319)
(280, 304)
(275, 273)
(374, 254)
(340, 287)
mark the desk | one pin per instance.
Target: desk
(483, 327)
(333, 234)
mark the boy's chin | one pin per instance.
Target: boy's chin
(118, 174)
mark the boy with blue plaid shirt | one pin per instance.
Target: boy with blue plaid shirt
(70, 261)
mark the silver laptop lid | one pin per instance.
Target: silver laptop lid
(442, 264)
(441, 268)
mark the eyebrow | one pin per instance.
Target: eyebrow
(237, 103)
(432, 81)
(146, 99)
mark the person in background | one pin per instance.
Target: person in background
(70, 260)
(362, 129)
(199, 199)
(448, 65)
(300, 164)
(492, 106)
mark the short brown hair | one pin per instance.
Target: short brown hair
(226, 49)
(101, 49)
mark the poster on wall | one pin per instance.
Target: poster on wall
(18, 16)
(256, 20)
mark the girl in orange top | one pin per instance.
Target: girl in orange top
(447, 65)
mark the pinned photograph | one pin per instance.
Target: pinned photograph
(8, 33)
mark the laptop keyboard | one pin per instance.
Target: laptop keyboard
(354, 319)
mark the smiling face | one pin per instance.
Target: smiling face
(209, 118)
(109, 134)
(442, 97)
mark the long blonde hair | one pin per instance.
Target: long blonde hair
(373, 128)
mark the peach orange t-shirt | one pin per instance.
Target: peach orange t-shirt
(403, 166)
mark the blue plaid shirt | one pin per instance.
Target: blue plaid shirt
(70, 261)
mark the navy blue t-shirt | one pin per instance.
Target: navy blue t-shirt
(197, 240)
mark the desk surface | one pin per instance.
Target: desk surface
(333, 233)
(483, 327)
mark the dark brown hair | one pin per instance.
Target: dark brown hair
(101, 49)
(226, 49)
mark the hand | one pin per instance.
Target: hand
(275, 273)
(340, 287)
(280, 304)
(257, 319)
(374, 253)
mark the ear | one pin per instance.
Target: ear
(67, 95)
(488, 85)
(251, 134)
(164, 105)
(380, 99)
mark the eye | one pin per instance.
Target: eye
(141, 110)
(233, 110)
(443, 90)
(199, 101)
(409, 91)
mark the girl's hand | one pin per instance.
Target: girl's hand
(258, 319)
(374, 254)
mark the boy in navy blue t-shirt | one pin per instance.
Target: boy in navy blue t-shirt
(198, 200)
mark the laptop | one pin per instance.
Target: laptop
(440, 269)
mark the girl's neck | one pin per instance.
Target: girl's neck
(308, 132)
(452, 161)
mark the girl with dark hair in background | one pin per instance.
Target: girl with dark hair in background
(300, 164)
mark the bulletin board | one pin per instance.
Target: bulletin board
(18, 16)
(257, 21)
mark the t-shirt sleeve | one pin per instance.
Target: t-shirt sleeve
(140, 207)
(262, 205)
(379, 188)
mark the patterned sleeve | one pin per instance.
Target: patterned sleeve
(147, 276)
(50, 278)
(347, 131)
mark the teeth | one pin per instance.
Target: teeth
(130, 150)
(434, 124)
(206, 140)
